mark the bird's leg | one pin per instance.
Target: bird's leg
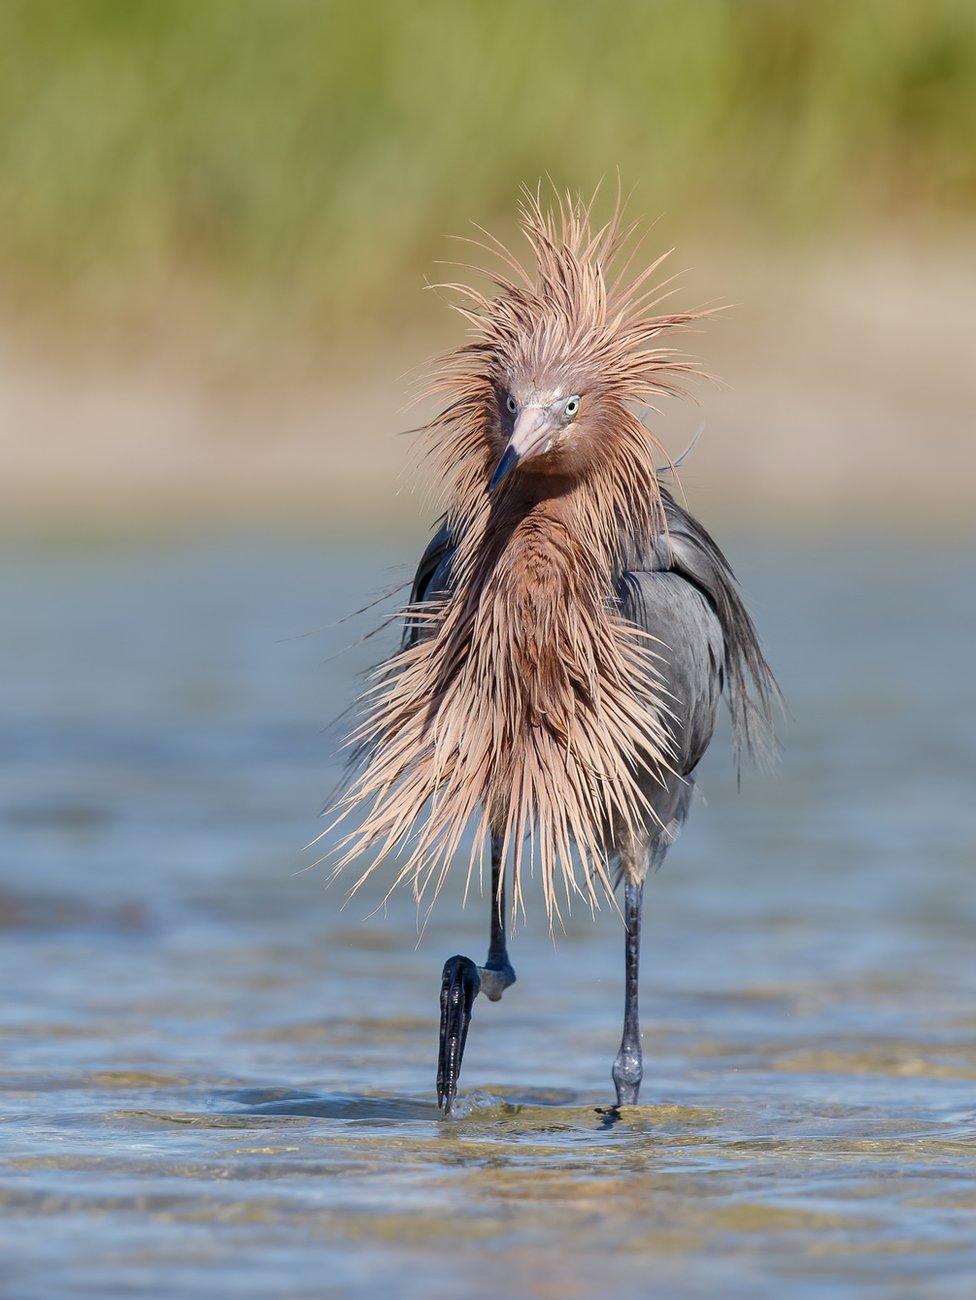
(462, 981)
(628, 1068)
(497, 973)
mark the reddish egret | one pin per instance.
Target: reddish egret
(571, 628)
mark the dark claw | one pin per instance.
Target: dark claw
(460, 984)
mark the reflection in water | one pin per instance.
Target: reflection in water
(215, 1080)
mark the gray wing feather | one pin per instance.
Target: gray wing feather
(682, 590)
(689, 551)
(433, 576)
(691, 654)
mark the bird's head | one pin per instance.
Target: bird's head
(540, 427)
(565, 351)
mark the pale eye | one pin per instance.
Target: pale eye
(572, 406)
(511, 405)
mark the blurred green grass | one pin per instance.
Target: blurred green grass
(296, 155)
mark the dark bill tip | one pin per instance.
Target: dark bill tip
(507, 462)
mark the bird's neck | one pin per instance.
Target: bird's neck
(536, 615)
(550, 545)
(542, 593)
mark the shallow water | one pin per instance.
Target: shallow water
(216, 1081)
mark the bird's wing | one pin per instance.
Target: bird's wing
(689, 651)
(432, 577)
(692, 562)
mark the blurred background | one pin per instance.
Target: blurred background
(217, 221)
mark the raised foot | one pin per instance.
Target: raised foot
(460, 985)
(495, 979)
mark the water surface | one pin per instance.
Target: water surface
(216, 1081)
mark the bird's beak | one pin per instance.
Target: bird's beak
(531, 432)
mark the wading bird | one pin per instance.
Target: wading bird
(571, 627)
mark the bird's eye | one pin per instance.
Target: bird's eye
(511, 405)
(572, 406)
